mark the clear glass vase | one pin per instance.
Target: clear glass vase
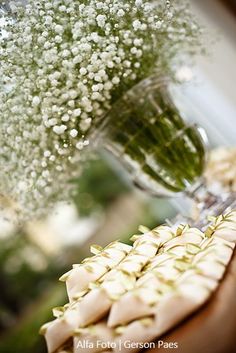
(163, 153)
(146, 133)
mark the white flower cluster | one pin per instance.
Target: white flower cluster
(63, 64)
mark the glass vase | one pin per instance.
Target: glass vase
(146, 133)
(162, 152)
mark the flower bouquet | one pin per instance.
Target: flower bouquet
(64, 65)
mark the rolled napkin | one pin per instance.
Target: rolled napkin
(208, 258)
(95, 288)
(159, 276)
(188, 236)
(91, 269)
(166, 275)
(159, 235)
(121, 279)
(215, 255)
(96, 304)
(57, 332)
(224, 227)
(184, 298)
(78, 281)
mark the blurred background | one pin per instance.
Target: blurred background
(106, 207)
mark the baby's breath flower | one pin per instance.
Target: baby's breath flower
(63, 64)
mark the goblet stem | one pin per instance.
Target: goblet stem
(206, 205)
(200, 194)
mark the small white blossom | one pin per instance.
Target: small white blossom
(101, 20)
(47, 154)
(59, 129)
(77, 112)
(65, 118)
(36, 101)
(83, 71)
(61, 63)
(121, 13)
(79, 145)
(115, 80)
(59, 29)
(73, 133)
(137, 24)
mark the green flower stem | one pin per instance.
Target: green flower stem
(151, 132)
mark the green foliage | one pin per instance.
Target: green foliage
(97, 187)
(25, 273)
(24, 338)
